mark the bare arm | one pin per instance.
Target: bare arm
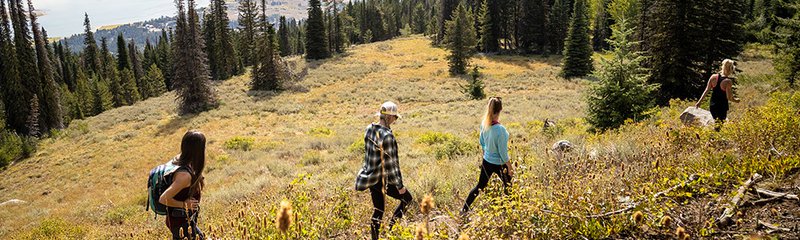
(728, 87)
(182, 180)
(709, 86)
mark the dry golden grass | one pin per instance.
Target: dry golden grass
(304, 146)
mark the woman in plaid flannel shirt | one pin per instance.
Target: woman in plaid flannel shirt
(381, 174)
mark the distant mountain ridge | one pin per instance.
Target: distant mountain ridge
(140, 32)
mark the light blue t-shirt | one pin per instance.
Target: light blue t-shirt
(494, 143)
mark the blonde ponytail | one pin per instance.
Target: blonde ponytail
(728, 68)
(493, 108)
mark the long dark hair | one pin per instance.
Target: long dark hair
(193, 156)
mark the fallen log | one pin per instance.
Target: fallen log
(786, 196)
(762, 201)
(772, 228)
(692, 178)
(725, 218)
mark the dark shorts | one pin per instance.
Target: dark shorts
(719, 114)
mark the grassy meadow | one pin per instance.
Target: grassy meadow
(305, 146)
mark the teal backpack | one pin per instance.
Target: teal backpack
(160, 179)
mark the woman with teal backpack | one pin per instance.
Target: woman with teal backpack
(182, 197)
(494, 142)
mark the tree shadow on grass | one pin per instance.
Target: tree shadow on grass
(174, 124)
(525, 61)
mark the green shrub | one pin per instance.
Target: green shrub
(14, 147)
(311, 158)
(357, 147)
(10, 147)
(240, 143)
(321, 132)
(445, 145)
(432, 138)
(56, 228)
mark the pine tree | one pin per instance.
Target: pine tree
(488, 41)
(26, 57)
(13, 91)
(602, 26)
(686, 42)
(110, 75)
(300, 47)
(84, 94)
(129, 89)
(267, 74)
(283, 38)
(153, 82)
(123, 60)
(578, 48)
(69, 104)
(460, 40)
(102, 98)
(33, 118)
(90, 57)
(150, 55)
(420, 19)
(724, 20)
(622, 91)
(66, 69)
(339, 34)
(165, 61)
(136, 64)
(375, 24)
(50, 112)
(534, 22)
(447, 8)
(209, 38)
(559, 20)
(227, 55)
(787, 61)
(316, 39)
(248, 12)
(191, 72)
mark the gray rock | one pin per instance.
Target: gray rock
(13, 202)
(694, 116)
(561, 147)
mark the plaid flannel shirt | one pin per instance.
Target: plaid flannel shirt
(370, 174)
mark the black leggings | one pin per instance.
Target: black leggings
(487, 169)
(378, 204)
(195, 235)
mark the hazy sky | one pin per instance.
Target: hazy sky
(65, 17)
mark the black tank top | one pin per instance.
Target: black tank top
(719, 98)
(182, 195)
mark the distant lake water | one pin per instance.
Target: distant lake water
(64, 18)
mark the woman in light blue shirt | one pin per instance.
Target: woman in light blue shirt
(494, 142)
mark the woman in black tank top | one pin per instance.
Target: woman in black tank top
(720, 86)
(182, 198)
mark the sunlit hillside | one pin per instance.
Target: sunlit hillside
(305, 145)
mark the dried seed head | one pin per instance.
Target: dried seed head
(463, 237)
(638, 218)
(421, 232)
(681, 233)
(427, 205)
(666, 221)
(284, 218)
